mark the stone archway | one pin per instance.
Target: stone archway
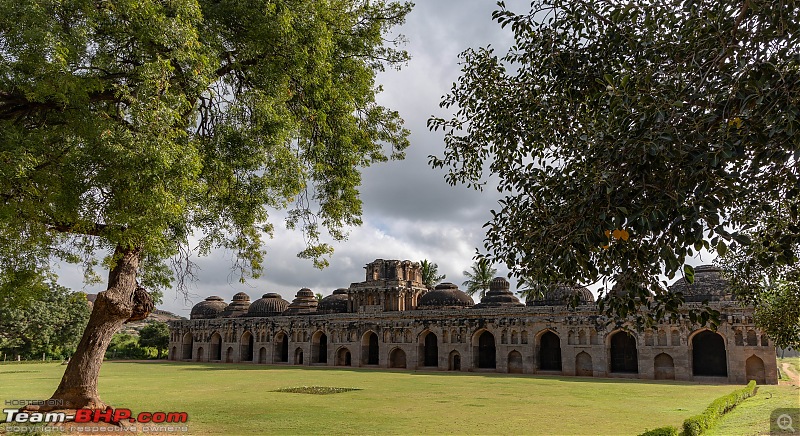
(549, 352)
(429, 350)
(754, 370)
(188, 346)
(664, 367)
(200, 353)
(514, 362)
(229, 355)
(298, 356)
(397, 358)
(216, 347)
(281, 350)
(485, 351)
(173, 355)
(246, 347)
(583, 365)
(708, 355)
(624, 355)
(454, 361)
(319, 348)
(343, 357)
(370, 349)
(262, 355)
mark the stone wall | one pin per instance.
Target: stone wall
(582, 344)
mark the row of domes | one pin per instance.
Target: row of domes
(270, 304)
(708, 285)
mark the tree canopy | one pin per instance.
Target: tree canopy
(135, 134)
(155, 335)
(138, 123)
(49, 325)
(630, 136)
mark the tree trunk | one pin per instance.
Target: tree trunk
(114, 306)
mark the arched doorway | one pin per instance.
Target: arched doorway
(229, 355)
(664, 367)
(454, 361)
(173, 354)
(216, 347)
(246, 347)
(624, 357)
(514, 362)
(343, 357)
(319, 348)
(429, 351)
(708, 355)
(583, 365)
(397, 358)
(754, 370)
(298, 356)
(188, 345)
(262, 355)
(549, 352)
(200, 353)
(369, 349)
(487, 354)
(281, 353)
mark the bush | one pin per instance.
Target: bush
(661, 431)
(697, 424)
(126, 346)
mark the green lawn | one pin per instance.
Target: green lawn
(752, 417)
(239, 399)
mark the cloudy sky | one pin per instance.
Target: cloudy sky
(410, 212)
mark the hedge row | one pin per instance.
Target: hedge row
(697, 424)
(661, 431)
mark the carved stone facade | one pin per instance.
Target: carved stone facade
(387, 324)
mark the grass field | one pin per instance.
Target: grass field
(240, 399)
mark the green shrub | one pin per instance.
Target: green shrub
(661, 431)
(697, 424)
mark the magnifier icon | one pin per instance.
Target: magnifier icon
(785, 423)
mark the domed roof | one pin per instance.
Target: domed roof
(562, 294)
(335, 303)
(499, 295)
(305, 302)
(238, 307)
(709, 284)
(445, 296)
(211, 307)
(270, 304)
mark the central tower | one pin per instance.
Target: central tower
(390, 285)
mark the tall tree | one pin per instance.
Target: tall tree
(155, 335)
(630, 135)
(129, 128)
(480, 278)
(430, 273)
(773, 288)
(49, 325)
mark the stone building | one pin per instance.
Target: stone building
(391, 320)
